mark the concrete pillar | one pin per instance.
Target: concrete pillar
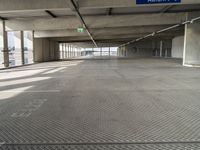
(63, 54)
(161, 48)
(22, 47)
(19, 44)
(65, 45)
(101, 52)
(60, 52)
(1, 45)
(125, 51)
(166, 53)
(76, 52)
(72, 51)
(64, 50)
(109, 51)
(68, 51)
(28, 38)
(42, 49)
(4, 44)
(79, 51)
(191, 55)
(119, 49)
(177, 47)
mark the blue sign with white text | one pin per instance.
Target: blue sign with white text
(156, 1)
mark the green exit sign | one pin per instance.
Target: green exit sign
(80, 30)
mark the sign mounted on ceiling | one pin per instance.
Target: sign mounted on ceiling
(140, 2)
(80, 30)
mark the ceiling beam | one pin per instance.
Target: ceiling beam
(50, 14)
(35, 5)
(95, 22)
(2, 18)
(124, 3)
(166, 8)
(109, 11)
(102, 32)
(114, 37)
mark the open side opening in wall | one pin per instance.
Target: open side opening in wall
(20, 53)
(1, 50)
(70, 50)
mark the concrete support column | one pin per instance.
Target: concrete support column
(4, 44)
(125, 51)
(42, 50)
(68, 51)
(72, 51)
(79, 51)
(22, 47)
(29, 55)
(76, 51)
(191, 55)
(19, 44)
(65, 50)
(101, 52)
(63, 56)
(109, 51)
(161, 48)
(122, 52)
(119, 50)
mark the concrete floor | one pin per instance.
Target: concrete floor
(142, 104)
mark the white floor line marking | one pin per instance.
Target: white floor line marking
(29, 108)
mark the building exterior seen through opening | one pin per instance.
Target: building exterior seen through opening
(70, 51)
(99, 75)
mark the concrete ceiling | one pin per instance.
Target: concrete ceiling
(109, 21)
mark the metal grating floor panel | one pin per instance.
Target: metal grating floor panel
(107, 147)
(102, 104)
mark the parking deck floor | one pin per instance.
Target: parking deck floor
(142, 104)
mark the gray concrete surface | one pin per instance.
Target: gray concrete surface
(147, 104)
(192, 45)
(45, 50)
(177, 47)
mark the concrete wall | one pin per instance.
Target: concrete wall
(140, 49)
(191, 54)
(147, 48)
(192, 44)
(177, 47)
(45, 50)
